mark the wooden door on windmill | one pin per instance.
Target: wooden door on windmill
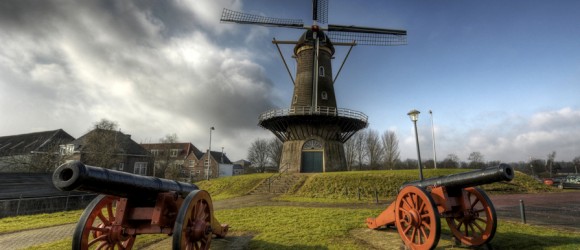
(311, 162)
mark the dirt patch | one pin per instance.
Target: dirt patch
(233, 241)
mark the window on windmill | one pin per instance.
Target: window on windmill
(295, 99)
(321, 71)
(324, 95)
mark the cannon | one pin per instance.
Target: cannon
(419, 205)
(129, 205)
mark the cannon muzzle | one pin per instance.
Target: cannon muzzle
(80, 177)
(503, 172)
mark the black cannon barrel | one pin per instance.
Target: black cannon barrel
(503, 172)
(77, 176)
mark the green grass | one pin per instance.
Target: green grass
(233, 186)
(300, 228)
(356, 185)
(18, 223)
(140, 242)
(296, 227)
(366, 185)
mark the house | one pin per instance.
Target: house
(33, 152)
(109, 149)
(174, 160)
(203, 171)
(244, 166)
(230, 170)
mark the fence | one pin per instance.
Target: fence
(47, 204)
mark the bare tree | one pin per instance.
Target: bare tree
(374, 149)
(101, 145)
(275, 151)
(258, 154)
(576, 162)
(360, 148)
(391, 148)
(476, 160)
(550, 162)
(350, 153)
(166, 161)
(43, 161)
(451, 161)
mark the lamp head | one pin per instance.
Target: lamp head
(414, 115)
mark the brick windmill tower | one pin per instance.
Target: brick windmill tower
(313, 129)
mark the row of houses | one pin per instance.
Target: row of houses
(44, 151)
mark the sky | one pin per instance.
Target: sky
(501, 77)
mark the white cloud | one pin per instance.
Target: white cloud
(512, 138)
(154, 71)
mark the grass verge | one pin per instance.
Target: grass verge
(19, 223)
(329, 228)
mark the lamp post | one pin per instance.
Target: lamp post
(208, 160)
(433, 135)
(414, 115)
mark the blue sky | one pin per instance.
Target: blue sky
(502, 77)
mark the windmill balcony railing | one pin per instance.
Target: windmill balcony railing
(309, 110)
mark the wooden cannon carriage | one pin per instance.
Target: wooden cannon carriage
(130, 205)
(467, 209)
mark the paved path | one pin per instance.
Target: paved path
(561, 210)
(30, 238)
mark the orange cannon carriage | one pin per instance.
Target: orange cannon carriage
(468, 211)
(130, 205)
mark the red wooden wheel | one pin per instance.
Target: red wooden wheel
(476, 225)
(95, 228)
(192, 228)
(417, 219)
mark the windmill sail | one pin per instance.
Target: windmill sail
(367, 35)
(245, 18)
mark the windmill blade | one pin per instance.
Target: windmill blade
(320, 11)
(244, 18)
(367, 35)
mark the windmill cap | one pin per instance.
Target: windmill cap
(307, 39)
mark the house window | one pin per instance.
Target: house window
(324, 95)
(192, 163)
(312, 144)
(174, 152)
(140, 168)
(155, 152)
(67, 149)
(121, 166)
(321, 71)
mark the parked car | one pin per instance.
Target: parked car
(571, 181)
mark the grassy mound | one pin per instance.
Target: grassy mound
(233, 186)
(385, 183)
(357, 185)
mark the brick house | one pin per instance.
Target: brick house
(215, 158)
(109, 149)
(32, 152)
(174, 160)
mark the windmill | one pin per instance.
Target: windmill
(314, 129)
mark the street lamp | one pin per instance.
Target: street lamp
(414, 115)
(208, 154)
(433, 135)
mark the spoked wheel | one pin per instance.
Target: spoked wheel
(475, 226)
(193, 224)
(417, 219)
(94, 229)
